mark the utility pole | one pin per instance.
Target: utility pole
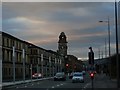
(117, 52)
(1, 60)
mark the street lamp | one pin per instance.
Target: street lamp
(108, 33)
(108, 22)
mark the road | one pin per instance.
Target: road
(51, 84)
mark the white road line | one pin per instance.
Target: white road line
(58, 85)
(25, 86)
(61, 84)
(86, 85)
(53, 87)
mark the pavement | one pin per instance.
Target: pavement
(6, 84)
(102, 81)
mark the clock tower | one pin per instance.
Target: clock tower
(62, 44)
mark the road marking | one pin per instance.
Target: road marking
(86, 85)
(53, 87)
(47, 89)
(25, 86)
(61, 84)
(58, 85)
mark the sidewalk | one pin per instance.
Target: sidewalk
(5, 84)
(103, 81)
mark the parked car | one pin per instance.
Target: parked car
(60, 76)
(36, 75)
(78, 77)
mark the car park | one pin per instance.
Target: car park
(60, 76)
(78, 77)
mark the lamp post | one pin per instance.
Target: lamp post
(117, 51)
(108, 22)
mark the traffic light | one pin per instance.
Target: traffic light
(67, 65)
(91, 58)
(92, 75)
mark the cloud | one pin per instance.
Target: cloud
(42, 22)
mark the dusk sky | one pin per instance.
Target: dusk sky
(42, 22)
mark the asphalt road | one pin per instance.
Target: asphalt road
(51, 84)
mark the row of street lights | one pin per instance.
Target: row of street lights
(117, 51)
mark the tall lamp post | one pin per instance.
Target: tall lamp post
(117, 51)
(108, 33)
(108, 22)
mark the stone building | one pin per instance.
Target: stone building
(19, 56)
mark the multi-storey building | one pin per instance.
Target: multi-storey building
(8, 43)
(19, 56)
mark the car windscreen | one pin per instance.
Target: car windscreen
(59, 74)
(77, 75)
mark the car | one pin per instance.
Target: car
(37, 75)
(60, 76)
(78, 77)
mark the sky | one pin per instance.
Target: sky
(41, 23)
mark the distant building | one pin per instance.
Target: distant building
(74, 65)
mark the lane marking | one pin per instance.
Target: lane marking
(61, 84)
(86, 85)
(25, 86)
(53, 87)
(58, 85)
